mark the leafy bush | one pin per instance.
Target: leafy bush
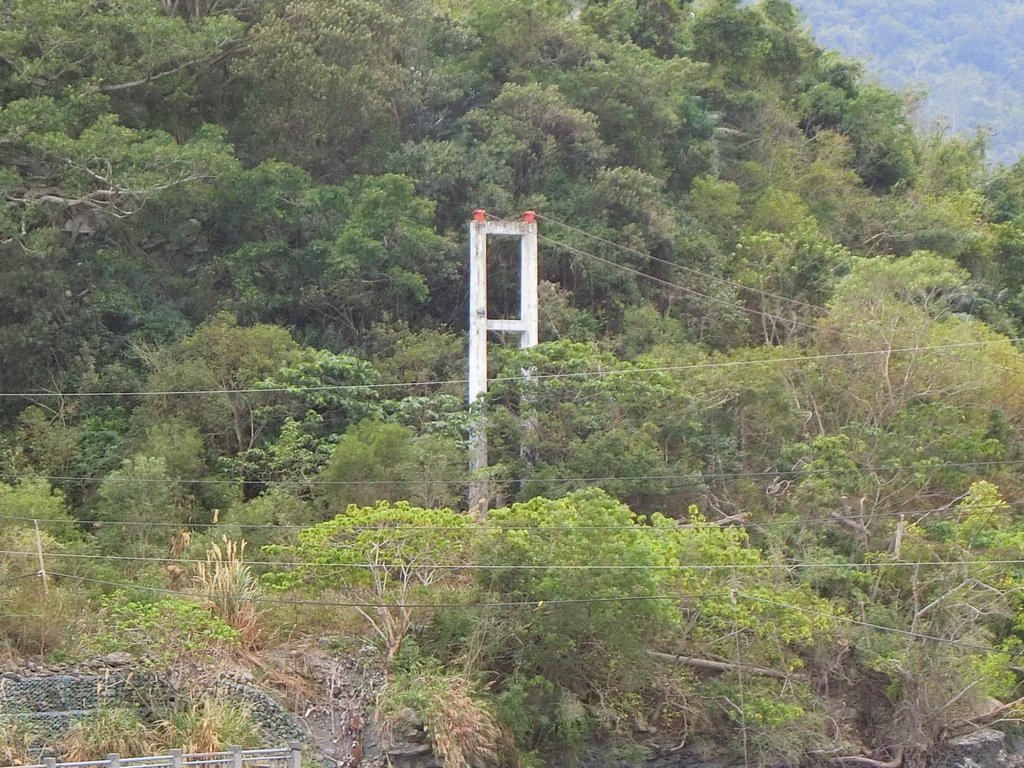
(34, 620)
(540, 714)
(569, 652)
(384, 557)
(774, 722)
(575, 620)
(165, 631)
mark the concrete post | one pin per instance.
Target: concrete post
(527, 325)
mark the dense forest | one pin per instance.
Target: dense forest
(958, 58)
(770, 503)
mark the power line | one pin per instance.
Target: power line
(784, 521)
(767, 315)
(881, 627)
(670, 284)
(369, 604)
(543, 603)
(694, 478)
(20, 577)
(635, 370)
(681, 267)
(710, 276)
(238, 390)
(704, 567)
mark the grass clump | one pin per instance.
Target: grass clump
(17, 742)
(231, 588)
(112, 729)
(201, 725)
(462, 727)
(210, 725)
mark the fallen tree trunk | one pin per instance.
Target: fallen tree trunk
(967, 725)
(867, 762)
(716, 666)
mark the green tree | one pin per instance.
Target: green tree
(384, 559)
(541, 141)
(387, 244)
(586, 402)
(218, 356)
(327, 84)
(574, 637)
(35, 499)
(142, 506)
(375, 461)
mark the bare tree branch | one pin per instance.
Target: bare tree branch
(110, 201)
(968, 725)
(226, 51)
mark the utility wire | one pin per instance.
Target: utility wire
(440, 382)
(12, 579)
(787, 521)
(710, 276)
(670, 284)
(693, 478)
(369, 604)
(538, 604)
(703, 567)
(681, 267)
(636, 370)
(881, 627)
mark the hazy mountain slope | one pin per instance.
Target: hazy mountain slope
(966, 54)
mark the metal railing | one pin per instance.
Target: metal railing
(235, 757)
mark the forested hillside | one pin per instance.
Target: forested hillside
(963, 55)
(771, 503)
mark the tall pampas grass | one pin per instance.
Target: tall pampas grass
(231, 589)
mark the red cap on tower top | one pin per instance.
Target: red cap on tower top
(530, 217)
(479, 214)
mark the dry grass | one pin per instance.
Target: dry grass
(232, 589)
(462, 728)
(210, 725)
(33, 622)
(16, 743)
(108, 730)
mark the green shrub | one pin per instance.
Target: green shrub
(164, 631)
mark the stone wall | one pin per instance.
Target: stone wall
(49, 701)
(278, 725)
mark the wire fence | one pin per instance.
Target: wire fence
(234, 757)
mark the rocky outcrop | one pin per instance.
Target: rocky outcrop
(985, 748)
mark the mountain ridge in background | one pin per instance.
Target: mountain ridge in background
(963, 54)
